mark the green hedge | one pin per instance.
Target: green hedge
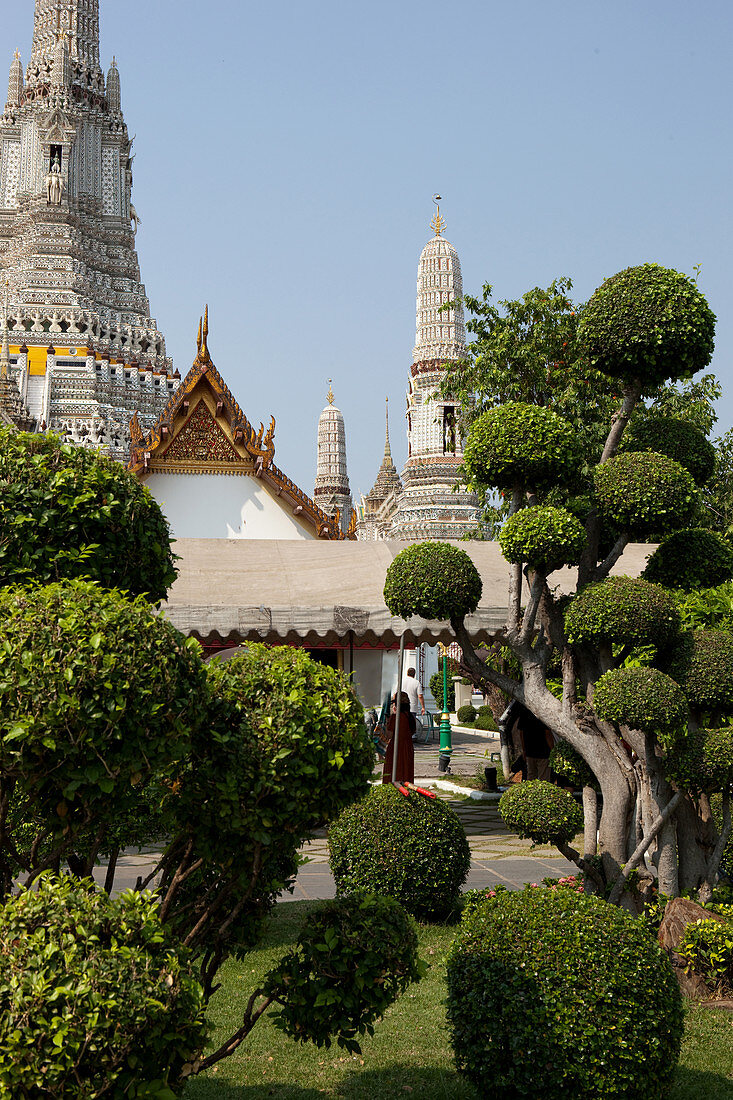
(644, 493)
(648, 322)
(412, 849)
(556, 994)
(434, 580)
(520, 445)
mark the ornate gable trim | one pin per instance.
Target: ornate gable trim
(184, 441)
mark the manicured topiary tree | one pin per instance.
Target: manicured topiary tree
(648, 323)
(412, 849)
(645, 328)
(553, 993)
(68, 512)
(466, 715)
(544, 537)
(691, 559)
(432, 579)
(678, 439)
(541, 812)
(98, 998)
(702, 664)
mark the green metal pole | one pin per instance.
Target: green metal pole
(446, 743)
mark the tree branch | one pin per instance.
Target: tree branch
(585, 865)
(706, 890)
(642, 848)
(250, 1019)
(610, 560)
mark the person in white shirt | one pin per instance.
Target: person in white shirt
(411, 685)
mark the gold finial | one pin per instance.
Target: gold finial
(437, 223)
(199, 338)
(330, 392)
(17, 55)
(205, 335)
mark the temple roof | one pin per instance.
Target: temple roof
(203, 430)
(387, 480)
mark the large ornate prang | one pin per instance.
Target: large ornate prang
(84, 350)
(428, 507)
(202, 430)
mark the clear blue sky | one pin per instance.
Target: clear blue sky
(287, 154)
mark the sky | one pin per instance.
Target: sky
(287, 155)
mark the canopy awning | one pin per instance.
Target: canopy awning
(319, 593)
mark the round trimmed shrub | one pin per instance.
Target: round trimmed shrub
(352, 960)
(625, 610)
(644, 493)
(692, 558)
(702, 664)
(678, 439)
(648, 322)
(544, 537)
(702, 760)
(98, 1000)
(519, 445)
(541, 812)
(466, 715)
(68, 512)
(96, 693)
(485, 711)
(643, 699)
(567, 762)
(485, 722)
(554, 994)
(412, 849)
(434, 580)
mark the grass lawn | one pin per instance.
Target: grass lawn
(410, 1052)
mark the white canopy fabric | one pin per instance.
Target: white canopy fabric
(319, 592)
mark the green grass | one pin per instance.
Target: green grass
(409, 1053)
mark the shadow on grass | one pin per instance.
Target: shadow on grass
(392, 1083)
(220, 1090)
(698, 1084)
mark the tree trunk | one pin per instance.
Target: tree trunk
(590, 819)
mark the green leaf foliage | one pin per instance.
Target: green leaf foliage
(643, 699)
(624, 610)
(677, 439)
(96, 693)
(97, 999)
(66, 512)
(436, 687)
(485, 722)
(285, 749)
(354, 958)
(544, 537)
(412, 849)
(555, 994)
(519, 446)
(702, 664)
(649, 323)
(541, 812)
(568, 763)
(707, 607)
(466, 715)
(702, 760)
(707, 948)
(690, 559)
(434, 580)
(644, 493)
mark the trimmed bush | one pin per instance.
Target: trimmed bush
(648, 322)
(702, 760)
(412, 849)
(707, 948)
(436, 688)
(702, 664)
(567, 762)
(519, 445)
(693, 558)
(97, 999)
(485, 722)
(485, 711)
(643, 699)
(678, 439)
(644, 493)
(541, 812)
(556, 994)
(625, 610)
(434, 580)
(352, 960)
(68, 512)
(466, 715)
(544, 537)
(96, 693)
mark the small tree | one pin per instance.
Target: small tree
(641, 329)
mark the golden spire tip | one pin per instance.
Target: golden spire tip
(437, 223)
(330, 392)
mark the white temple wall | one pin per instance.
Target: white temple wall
(223, 506)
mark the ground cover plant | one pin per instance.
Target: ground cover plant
(112, 730)
(611, 670)
(410, 1048)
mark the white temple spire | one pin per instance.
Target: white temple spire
(78, 19)
(15, 81)
(114, 91)
(332, 492)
